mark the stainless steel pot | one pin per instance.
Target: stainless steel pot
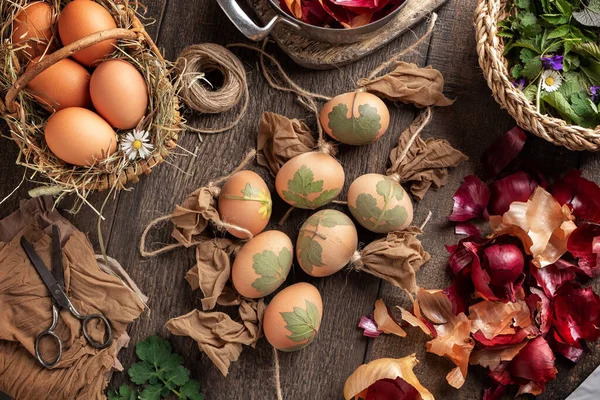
(328, 35)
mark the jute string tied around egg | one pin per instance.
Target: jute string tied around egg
(194, 63)
(193, 216)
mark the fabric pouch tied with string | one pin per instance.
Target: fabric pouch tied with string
(92, 285)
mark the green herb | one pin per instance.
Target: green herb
(302, 323)
(303, 185)
(272, 269)
(543, 37)
(381, 219)
(355, 130)
(160, 373)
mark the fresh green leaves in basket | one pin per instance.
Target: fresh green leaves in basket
(553, 55)
(160, 373)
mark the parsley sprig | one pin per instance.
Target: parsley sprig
(565, 31)
(159, 374)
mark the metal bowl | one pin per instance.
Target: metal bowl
(327, 35)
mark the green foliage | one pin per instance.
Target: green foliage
(272, 269)
(354, 130)
(303, 185)
(382, 219)
(159, 374)
(544, 28)
(302, 323)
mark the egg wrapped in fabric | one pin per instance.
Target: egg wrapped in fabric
(79, 19)
(292, 319)
(355, 118)
(79, 136)
(32, 30)
(380, 203)
(245, 201)
(326, 242)
(62, 85)
(262, 264)
(119, 93)
(310, 180)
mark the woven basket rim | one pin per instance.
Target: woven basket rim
(131, 174)
(490, 49)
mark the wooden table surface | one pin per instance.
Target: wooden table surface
(319, 371)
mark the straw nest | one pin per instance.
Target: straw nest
(26, 118)
(490, 49)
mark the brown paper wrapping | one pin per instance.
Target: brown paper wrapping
(408, 83)
(395, 258)
(280, 139)
(193, 216)
(26, 309)
(425, 163)
(219, 336)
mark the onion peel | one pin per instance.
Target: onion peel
(493, 318)
(503, 151)
(491, 357)
(384, 368)
(470, 200)
(580, 194)
(386, 323)
(542, 225)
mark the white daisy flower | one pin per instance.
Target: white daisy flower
(551, 80)
(136, 144)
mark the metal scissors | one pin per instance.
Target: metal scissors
(55, 282)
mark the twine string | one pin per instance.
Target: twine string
(277, 375)
(193, 63)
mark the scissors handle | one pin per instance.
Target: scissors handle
(85, 321)
(49, 333)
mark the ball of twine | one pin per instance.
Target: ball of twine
(193, 64)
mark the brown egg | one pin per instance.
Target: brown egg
(32, 29)
(64, 84)
(310, 180)
(119, 93)
(293, 317)
(79, 136)
(326, 242)
(355, 118)
(79, 19)
(379, 203)
(245, 201)
(262, 264)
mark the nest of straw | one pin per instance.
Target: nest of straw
(26, 119)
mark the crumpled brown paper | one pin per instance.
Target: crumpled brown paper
(426, 163)
(212, 269)
(219, 336)
(280, 139)
(410, 84)
(193, 215)
(395, 258)
(25, 305)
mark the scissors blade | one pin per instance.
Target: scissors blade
(53, 286)
(57, 265)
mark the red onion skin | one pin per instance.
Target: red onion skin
(516, 187)
(392, 389)
(581, 245)
(576, 313)
(503, 151)
(535, 362)
(582, 195)
(470, 200)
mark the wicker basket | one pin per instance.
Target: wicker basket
(490, 49)
(117, 172)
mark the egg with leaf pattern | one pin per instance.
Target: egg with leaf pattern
(262, 264)
(326, 242)
(380, 203)
(310, 180)
(355, 118)
(245, 202)
(293, 318)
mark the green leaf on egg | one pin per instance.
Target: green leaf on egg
(302, 323)
(354, 130)
(376, 219)
(303, 185)
(251, 193)
(272, 269)
(310, 253)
